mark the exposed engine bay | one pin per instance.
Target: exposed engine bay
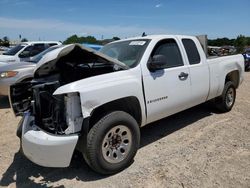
(59, 114)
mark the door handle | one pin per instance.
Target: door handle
(183, 76)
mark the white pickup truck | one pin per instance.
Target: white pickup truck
(96, 102)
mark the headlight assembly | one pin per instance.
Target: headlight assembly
(8, 74)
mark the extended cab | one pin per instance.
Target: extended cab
(96, 102)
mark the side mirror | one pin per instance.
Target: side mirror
(157, 62)
(24, 54)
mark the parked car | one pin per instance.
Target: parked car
(3, 48)
(96, 102)
(26, 50)
(246, 55)
(11, 73)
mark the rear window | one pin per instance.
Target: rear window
(192, 52)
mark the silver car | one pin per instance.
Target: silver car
(11, 73)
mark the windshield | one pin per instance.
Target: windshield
(38, 57)
(13, 51)
(128, 52)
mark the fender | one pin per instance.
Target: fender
(101, 89)
(227, 68)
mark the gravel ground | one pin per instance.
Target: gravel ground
(195, 148)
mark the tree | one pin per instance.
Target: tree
(116, 38)
(248, 41)
(24, 40)
(71, 39)
(6, 41)
(89, 39)
(76, 39)
(221, 42)
(240, 43)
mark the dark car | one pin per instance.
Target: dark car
(246, 55)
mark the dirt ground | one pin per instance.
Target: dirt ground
(195, 148)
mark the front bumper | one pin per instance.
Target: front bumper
(45, 149)
(4, 88)
(5, 84)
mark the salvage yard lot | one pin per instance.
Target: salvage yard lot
(195, 148)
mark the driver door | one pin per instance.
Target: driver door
(168, 90)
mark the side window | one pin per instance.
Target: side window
(52, 44)
(171, 51)
(37, 48)
(32, 50)
(192, 52)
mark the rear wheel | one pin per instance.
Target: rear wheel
(112, 143)
(226, 101)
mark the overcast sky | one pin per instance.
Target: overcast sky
(58, 19)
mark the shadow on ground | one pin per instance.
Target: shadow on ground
(25, 171)
(4, 102)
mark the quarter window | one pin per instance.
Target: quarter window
(192, 52)
(170, 50)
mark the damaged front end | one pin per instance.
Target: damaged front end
(59, 114)
(51, 123)
(55, 114)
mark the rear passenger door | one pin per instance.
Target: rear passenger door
(199, 70)
(167, 91)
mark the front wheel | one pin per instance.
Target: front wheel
(112, 143)
(226, 101)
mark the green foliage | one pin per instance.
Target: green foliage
(76, 39)
(240, 43)
(88, 39)
(116, 38)
(221, 42)
(5, 39)
(5, 42)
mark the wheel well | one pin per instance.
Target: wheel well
(130, 105)
(26, 79)
(233, 77)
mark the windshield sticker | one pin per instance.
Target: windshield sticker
(137, 43)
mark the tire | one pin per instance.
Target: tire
(112, 143)
(225, 102)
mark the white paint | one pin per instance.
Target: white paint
(205, 81)
(45, 149)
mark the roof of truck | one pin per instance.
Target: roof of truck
(155, 37)
(40, 42)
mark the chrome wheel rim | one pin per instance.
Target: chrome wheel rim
(230, 97)
(116, 144)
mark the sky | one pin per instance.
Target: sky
(59, 19)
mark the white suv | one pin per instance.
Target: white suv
(25, 50)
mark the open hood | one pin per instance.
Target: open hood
(75, 53)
